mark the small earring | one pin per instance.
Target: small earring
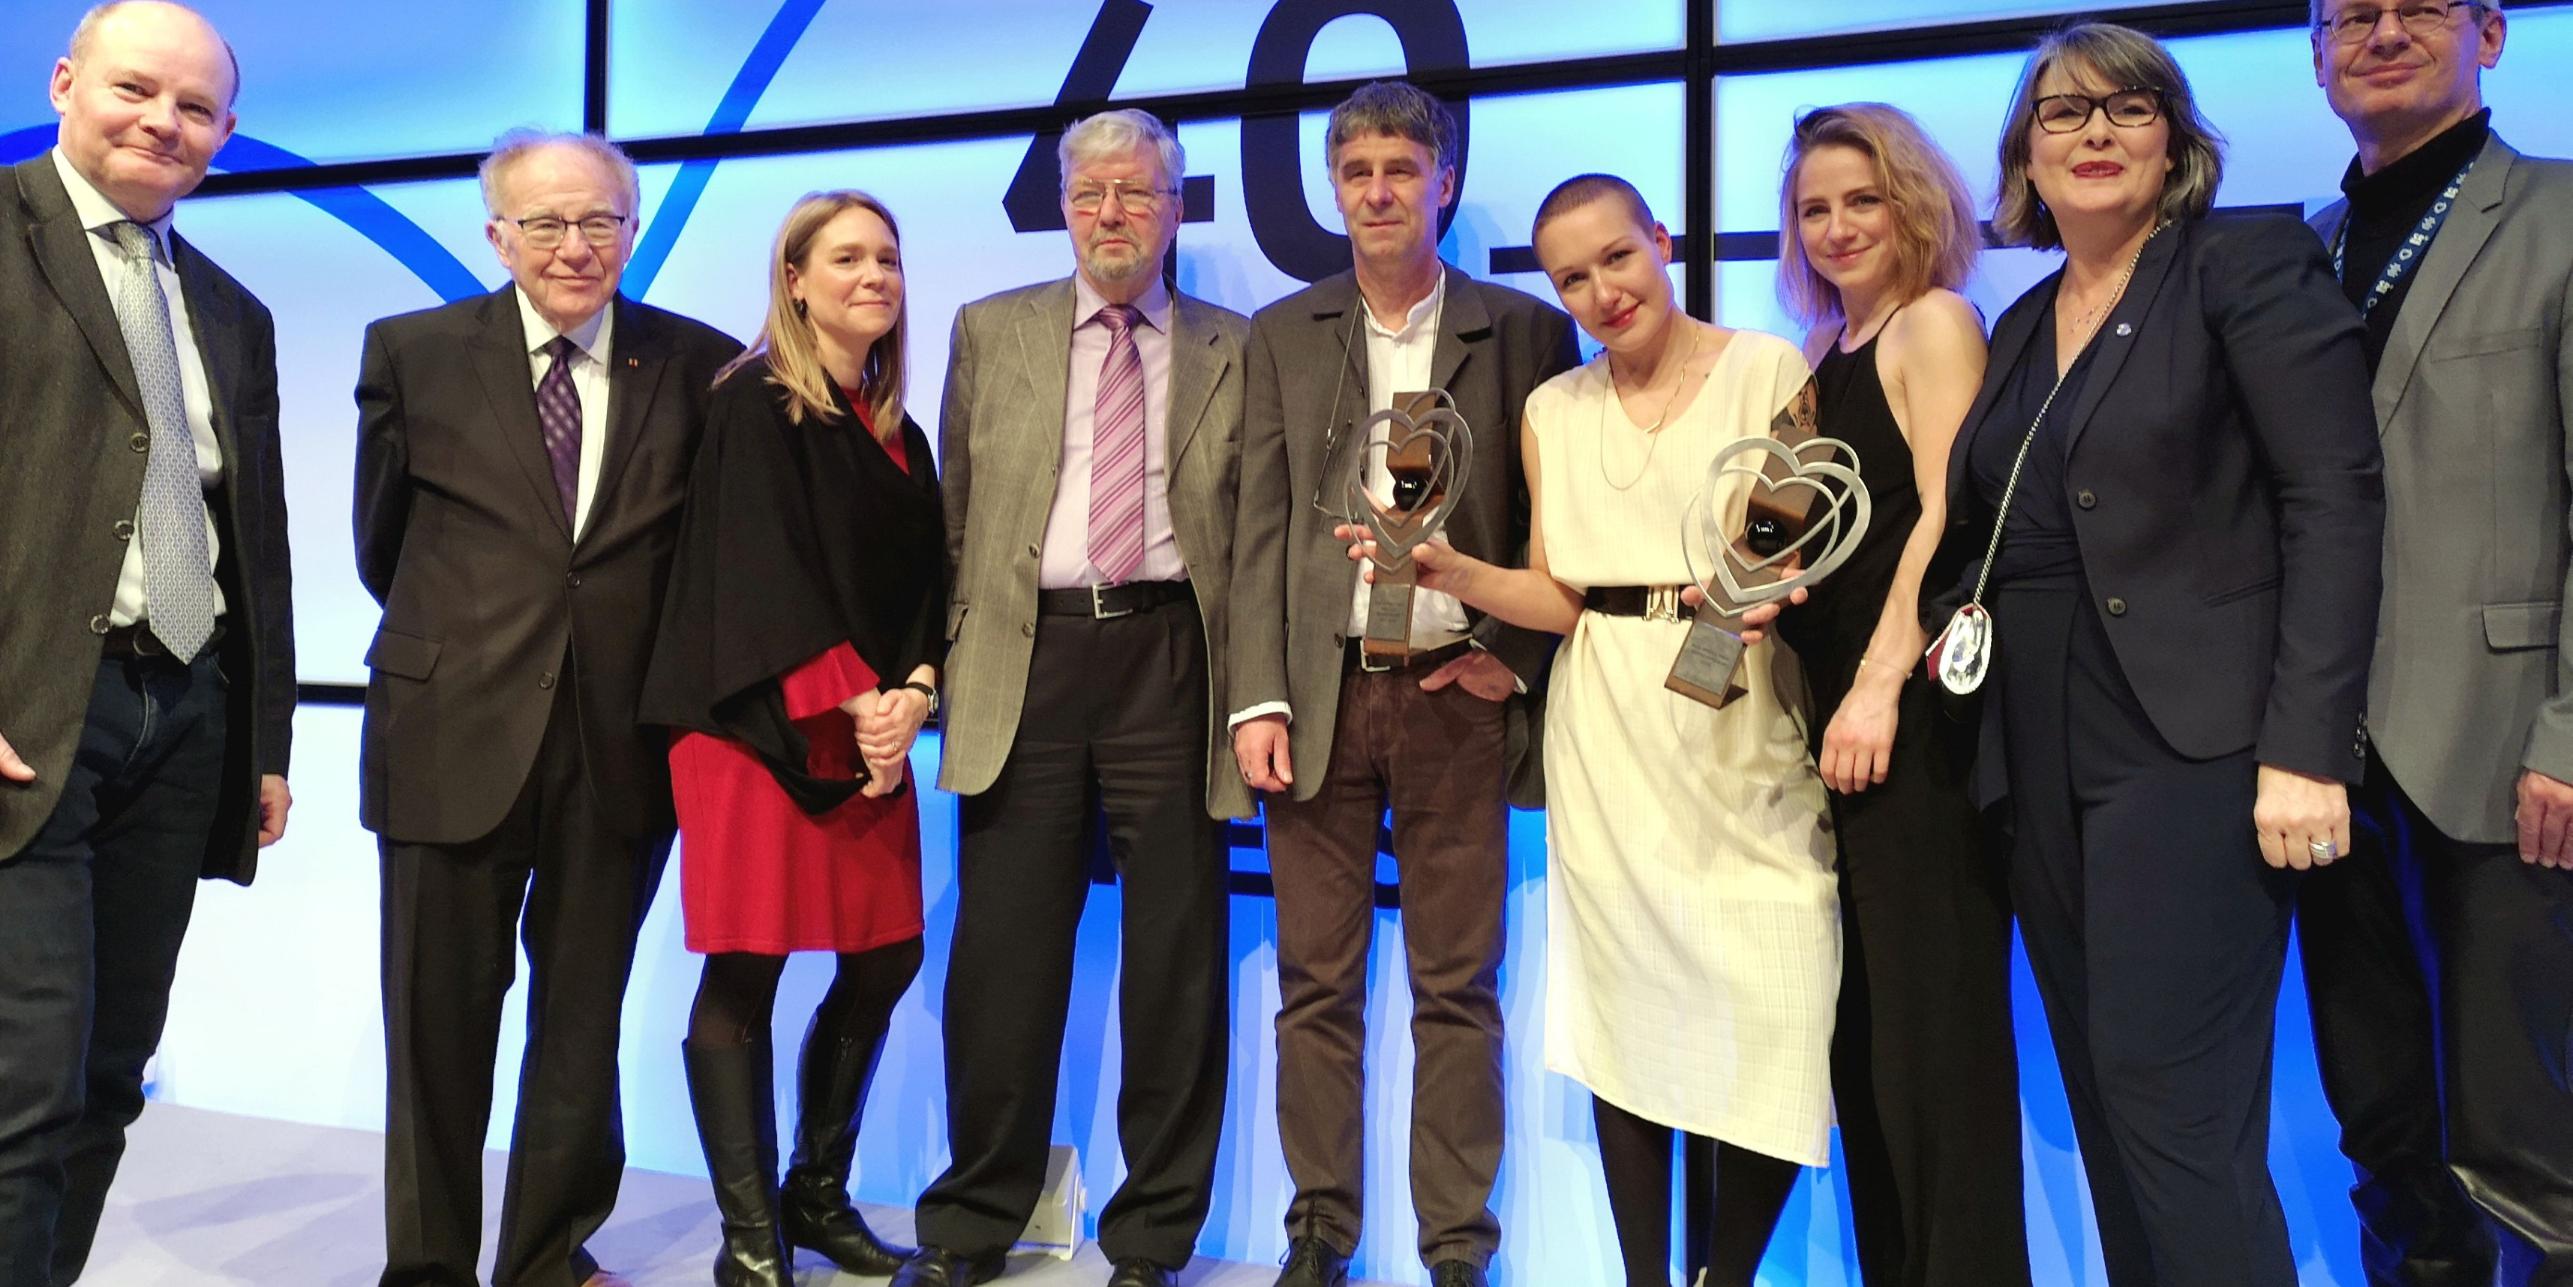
(799, 308)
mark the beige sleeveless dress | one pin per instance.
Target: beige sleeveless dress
(1693, 923)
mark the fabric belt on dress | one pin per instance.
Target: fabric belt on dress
(1651, 602)
(1104, 601)
(1353, 658)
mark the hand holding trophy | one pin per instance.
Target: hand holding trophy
(1799, 519)
(1426, 452)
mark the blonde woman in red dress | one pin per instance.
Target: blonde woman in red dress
(796, 662)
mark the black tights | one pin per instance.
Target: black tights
(1750, 1190)
(738, 992)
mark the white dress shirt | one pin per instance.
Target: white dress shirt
(1398, 361)
(97, 214)
(589, 380)
(1066, 562)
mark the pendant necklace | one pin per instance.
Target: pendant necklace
(1652, 432)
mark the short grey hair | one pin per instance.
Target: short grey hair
(1392, 107)
(516, 145)
(2314, 10)
(2123, 58)
(86, 33)
(1115, 133)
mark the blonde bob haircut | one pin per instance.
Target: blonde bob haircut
(2116, 58)
(787, 340)
(1935, 238)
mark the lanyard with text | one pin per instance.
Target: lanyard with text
(2412, 248)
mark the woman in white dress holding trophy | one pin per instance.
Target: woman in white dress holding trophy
(1693, 945)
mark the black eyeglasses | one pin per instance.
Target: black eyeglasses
(2354, 25)
(2127, 109)
(544, 232)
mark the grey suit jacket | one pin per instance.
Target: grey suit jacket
(1000, 449)
(1292, 579)
(72, 446)
(2475, 401)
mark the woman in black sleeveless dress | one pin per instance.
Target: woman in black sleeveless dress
(1877, 235)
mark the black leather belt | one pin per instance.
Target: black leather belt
(1652, 602)
(1354, 658)
(135, 642)
(1105, 601)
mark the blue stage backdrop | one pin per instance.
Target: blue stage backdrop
(348, 195)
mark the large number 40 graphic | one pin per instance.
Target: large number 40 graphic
(1432, 34)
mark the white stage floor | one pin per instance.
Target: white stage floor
(210, 1198)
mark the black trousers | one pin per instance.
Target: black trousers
(581, 883)
(1114, 726)
(2441, 977)
(2157, 935)
(1924, 1069)
(91, 915)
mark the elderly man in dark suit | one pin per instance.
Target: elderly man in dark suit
(147, 661)
(1089, 436)
(1435, 736)
(522, 458)
(2450, 1073)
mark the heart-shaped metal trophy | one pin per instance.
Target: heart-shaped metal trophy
(1804, 513)
(1427, 451)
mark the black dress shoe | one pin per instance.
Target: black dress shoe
(1457, 1273)
(933, 1267)
(1135, 1271)
(1310, 1262)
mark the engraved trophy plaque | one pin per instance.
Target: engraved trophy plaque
(1800, 517)
(1426, 451)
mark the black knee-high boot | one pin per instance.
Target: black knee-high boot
(732, 1089)
(838, 1066)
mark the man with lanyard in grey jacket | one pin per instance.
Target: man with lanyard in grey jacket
(2448, 1066)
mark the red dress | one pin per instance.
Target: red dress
(757, 873)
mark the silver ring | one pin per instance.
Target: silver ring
(2323, 850)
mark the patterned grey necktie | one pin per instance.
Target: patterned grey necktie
(178, 573)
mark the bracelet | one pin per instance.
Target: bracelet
(924, 690)
(1865, 661)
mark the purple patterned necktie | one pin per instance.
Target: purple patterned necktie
(1117, 452)
(558, 409)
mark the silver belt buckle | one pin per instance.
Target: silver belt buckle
(1661, 603)
(1099, 605)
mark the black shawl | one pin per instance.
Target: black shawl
(796, 537)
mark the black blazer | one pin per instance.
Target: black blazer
(69, 478)
(487, 598)
(2223, 475)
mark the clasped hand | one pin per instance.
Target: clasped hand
(888, 720)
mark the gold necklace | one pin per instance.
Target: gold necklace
(1652, 432)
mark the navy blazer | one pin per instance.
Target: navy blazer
(2224, 478)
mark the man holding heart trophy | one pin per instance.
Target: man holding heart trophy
(1388, 389)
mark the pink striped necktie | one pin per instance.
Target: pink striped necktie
(1117, 452)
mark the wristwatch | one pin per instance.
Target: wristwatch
(925, 691)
